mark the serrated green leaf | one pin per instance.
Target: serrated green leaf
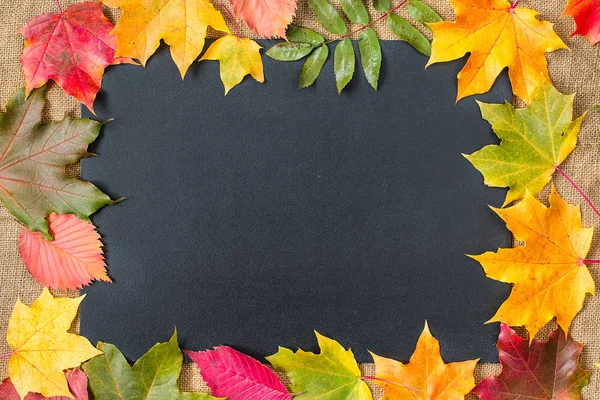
(534, 140)
(331, 375)
(287, 51)
(343, 63)
(328, 16)
(408, 33)
(313, 65)
(381, 5)
(422, 13)
(356, 11)
(153, 376)
(298, 34)
(370, 55)
(33, 156)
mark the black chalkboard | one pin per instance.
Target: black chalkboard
(252, 219)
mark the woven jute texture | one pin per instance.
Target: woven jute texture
(577, 70)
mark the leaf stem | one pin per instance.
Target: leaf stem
(514, 4)
(578, 189)
(232, 19)
(589, 262)
(362, 28)
(6, 354)
(374, 378)
(60, 11)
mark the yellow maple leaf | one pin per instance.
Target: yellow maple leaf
(549, 272)
(497, 35)
(181, 24)
(238, 57)
(42, 347)
(425, 377)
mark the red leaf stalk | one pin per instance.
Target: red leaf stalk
(578, 189)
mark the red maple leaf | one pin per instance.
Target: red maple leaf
(236, 376)
(540, 370)
(72, 48)
(268, 18)
(587, 18)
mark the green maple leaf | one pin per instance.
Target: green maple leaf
(331, 375)
(535, 140)
(153, 376)
(33, 156)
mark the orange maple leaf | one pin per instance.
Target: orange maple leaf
(72, 48)
(549, 271)
(425, 377)
(268, 18)
(73, 259)
(587, 18)
(498, 35)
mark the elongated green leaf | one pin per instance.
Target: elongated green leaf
(328, 16)
(381, 5)
(422, 13)
(370, 55)
(287, 51)
(298, 34)
(313, 65)
(405, 31)
(356, 11)
(343, 63)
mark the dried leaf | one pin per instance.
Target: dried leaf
(72, 48)
(268, 18)
(231, 374)
(540, 370)
(33, 155)
(534, 141)
(587, 18)
(153, 376)
(549, 273)
(42, 347)
(73, 259)
(76, 380)
(331, 375)
(425, 377)
(181, 24)
(238, 57)
(497, 35)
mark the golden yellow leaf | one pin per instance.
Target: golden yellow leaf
(425, 377)
(497, 35)
(181, 24)
(549, 271)
(42, 347)
(238, 57)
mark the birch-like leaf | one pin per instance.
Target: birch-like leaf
(356, 11)
(313, 65)
(288, 51)
(343, 63)
(382, 5)
(408, 33)
(328, 16)
(422, 13)
(370, 55)
(298, 34)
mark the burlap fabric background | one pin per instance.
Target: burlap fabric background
(577, 70)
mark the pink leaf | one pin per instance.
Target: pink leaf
(236, 376)
(73, 259)
(268, 18)
(77, 384)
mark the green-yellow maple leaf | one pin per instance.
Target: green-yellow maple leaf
(153, 376)
(331, 375)
(535, 141)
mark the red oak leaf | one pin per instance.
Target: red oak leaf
(73, 259)
(540, 370)
(77, 384)
(587, 18)
(231, 374)
(268, 18)
(72, 48)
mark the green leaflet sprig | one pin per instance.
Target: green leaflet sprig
(303, 42)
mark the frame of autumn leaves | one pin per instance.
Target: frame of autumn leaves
(54, 208)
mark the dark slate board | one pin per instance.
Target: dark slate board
(253, 219)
